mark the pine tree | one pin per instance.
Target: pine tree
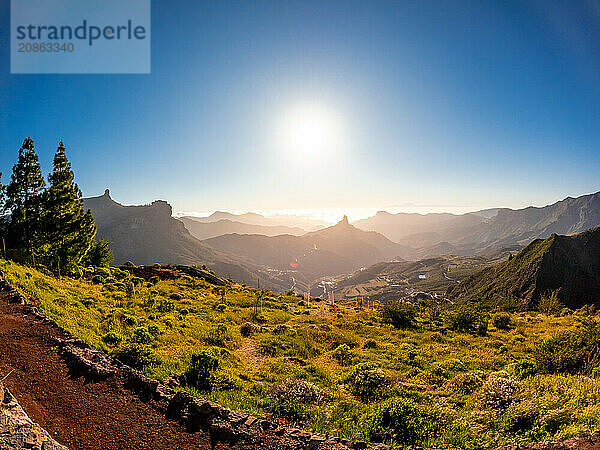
(24, 200)
(70, 230)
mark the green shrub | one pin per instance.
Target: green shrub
(342, 355)
(398, 421)
(112, 338)
(141, 335)
(463, 318)
(399, 314)
(217, 335)
(549, 303)
(155, 279)
(129, 264)
(248, 329)
(221, 307)
(520, 417)
(501, 320)
(436, 337)
(165, 306)
(175, 296)
(370, 343)
(573, 351)
(203, 364)
(154, 329)
(365, 381)
(98, 279)
(465, 383)
(136, 355)
(525, 368)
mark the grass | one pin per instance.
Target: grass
(441, 388)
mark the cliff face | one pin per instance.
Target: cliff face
(569, 264)
(148, 234)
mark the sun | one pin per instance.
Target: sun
(310, 130)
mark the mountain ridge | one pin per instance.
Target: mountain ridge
(566, 265)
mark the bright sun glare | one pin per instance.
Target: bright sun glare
(310, 130)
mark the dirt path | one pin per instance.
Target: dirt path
(79, 414)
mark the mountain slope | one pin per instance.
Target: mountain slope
(569, 264)
(207, 230)
(148, 234)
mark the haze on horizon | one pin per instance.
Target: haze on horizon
(330, 108)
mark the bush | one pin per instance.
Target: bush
(519, 417)
(217, 335)
(165, 306)
(248, 328)
(203, 364)
(342, 355)
(549, 303)
(141, 335)
(399, 314)
(112, 338)
(98, 279)
(129, 264)
(464, 318)
(525, 368)
(175, 296)
(501, 320)
(294, 390)
(436, 337)
(365, 381)
(398, 421)
(136, 355)
(498, 391)
(465, 383)
(370, 343)
(573, 351)
(155, 279)
(221, 307)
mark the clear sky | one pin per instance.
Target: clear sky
(446, 105)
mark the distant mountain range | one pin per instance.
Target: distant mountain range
(148, 234)
(337, 249)
(250, 218)
(249, 246)
(206, 230)
(569, 265)
(485, 231)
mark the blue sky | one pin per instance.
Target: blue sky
(444, 105)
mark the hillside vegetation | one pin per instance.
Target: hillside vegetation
(397, 373)
(569, 266)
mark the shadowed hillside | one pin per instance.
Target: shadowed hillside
(569, 265)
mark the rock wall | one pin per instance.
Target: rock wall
(17, 430)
